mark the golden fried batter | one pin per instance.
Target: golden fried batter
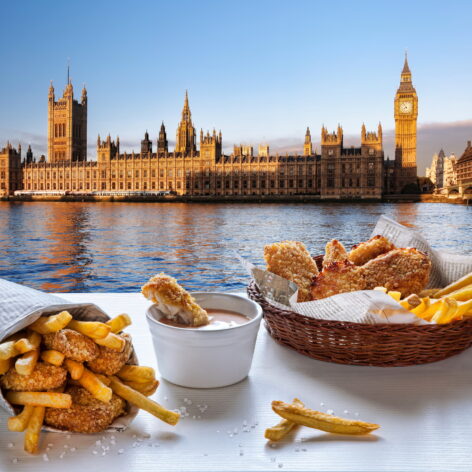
(363, 252)
(292, 261)
(403, 270)
(174, 301)
(44, 377)
(72, 344)
(334, 252)
(87, 414)
(109, 361)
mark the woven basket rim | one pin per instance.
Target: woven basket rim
(276, 311)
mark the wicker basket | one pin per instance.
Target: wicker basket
(383, 345)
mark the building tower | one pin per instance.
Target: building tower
(307, 147)
(146, 144)
(185, 139)
(67, 126)
(210, 145)
(406, 113)
(162, 144)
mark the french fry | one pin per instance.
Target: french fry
(463, 294)
(381, 289)
(95, 386)
(104, 379)
(112, 341)
(442, 311)
(136, 373)
(462, 282)
(139, 400)
(92, 329)
(424, 304)
(405, 304)
(20, 422)
(464, 309)
(48, 399)
(395, 295)
(322, 421)
(451, 312)
(4, 365)
(30, 343)
(25, 364)
(280, 430)
(53, 357)
(119, 323)
(429, 292)
(51, 324)
(33, 430)
(7, 350)
(431, 310)
(76, 369)
(146, 388)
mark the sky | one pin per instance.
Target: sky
(261, 71)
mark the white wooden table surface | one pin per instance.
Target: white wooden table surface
(425, 413)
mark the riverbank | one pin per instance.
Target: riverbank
(414, 198)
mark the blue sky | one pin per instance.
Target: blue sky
(261, 71)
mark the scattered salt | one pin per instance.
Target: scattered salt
(50, 445)
(120, 451)
(94, 452)
(15, 460)
(330, 412)
(61, 455)
(73, 449)
(45, 458)
(68, 436)
(10, 444)
(97, 443)
(66, 446)
(321, 404)
(346, 412)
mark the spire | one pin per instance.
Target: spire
(163, 128)
(308, 132)
(406, 69)
(68, 70)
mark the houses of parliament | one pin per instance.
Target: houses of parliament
(337, 172)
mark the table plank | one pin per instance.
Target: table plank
(424, 413)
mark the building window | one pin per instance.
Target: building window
(272, 184)
(104, 174)
(137, 174)
(161, 173)
(104, 186)
(161, 185)
(121, 185)
(129, 185)
(281, 183)
(113, 185)
(137, 185)
(145, 186)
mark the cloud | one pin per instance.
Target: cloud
(451, 136)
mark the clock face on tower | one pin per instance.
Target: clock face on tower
(406, 107)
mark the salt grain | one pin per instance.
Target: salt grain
(61, 455)
(346, 412)
(73, 449)
(10, 444)
(97, 443)
(120, 451)
(356, 414)
(321, 404)
(45, 458)
(15, 460)
(330, 412)
(95, 452)
(68, 436)
(50, 445)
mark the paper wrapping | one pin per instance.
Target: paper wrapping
(20, 306)
(365, 306)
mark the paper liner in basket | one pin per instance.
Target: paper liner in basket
(366, 306)
(20, 306)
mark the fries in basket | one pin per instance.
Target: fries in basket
(74, 376)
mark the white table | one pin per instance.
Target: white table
(425, 413)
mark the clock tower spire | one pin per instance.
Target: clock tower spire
(406, 114)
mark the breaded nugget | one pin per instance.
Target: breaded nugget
(363, 252)
(174, 301)
(109, 361)
(87, 414)
(334, 252)
(337, 277)
(44, 377)
(292, 261)
(403, 270)
(72, 344)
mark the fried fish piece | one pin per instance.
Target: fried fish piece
(292, 261)
(72, 344)
(87, 414)
(334, 252)
(363, 252)
(110, 361)
(44, 377)
(174, 301)
(403, 270)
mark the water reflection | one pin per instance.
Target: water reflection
(115, 247)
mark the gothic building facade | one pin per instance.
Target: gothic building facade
(337, 172)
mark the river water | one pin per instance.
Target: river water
(116, 247)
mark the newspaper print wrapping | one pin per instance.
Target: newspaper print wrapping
(20, 306)
(365, 306)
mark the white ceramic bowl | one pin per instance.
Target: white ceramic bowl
(197, 358)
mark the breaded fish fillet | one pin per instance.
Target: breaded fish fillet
(292, 261)
(363, 252)
(109, 361)
(334, 252)
(44, 377)
(174, 301)
(87, 414)
(403, 270)
(72, 344)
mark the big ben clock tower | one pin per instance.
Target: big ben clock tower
(406, 113)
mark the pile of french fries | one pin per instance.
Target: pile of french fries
(132, 383)
(440, 306)
(295, 414)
